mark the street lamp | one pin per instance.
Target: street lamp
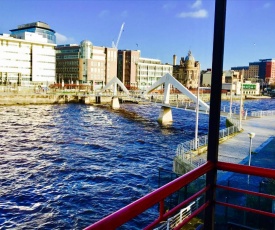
(241, 100)
(230, 106)
(251, 136)
(197, 114)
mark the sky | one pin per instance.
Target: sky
(159, 29)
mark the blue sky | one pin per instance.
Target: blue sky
(159, 29)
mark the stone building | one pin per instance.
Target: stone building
(188, 71)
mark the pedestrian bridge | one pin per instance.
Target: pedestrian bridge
(166, 81)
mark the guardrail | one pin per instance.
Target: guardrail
(263, 113)
(183, 214)
(158, 196)
(185, 150)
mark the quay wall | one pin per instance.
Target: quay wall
(29, 99)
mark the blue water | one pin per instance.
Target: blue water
(67, 166)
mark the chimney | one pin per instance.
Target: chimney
(174, 59)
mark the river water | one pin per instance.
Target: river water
(67, 166)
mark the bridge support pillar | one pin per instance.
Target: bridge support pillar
(97, 99)
(115, 103)
(165, 115)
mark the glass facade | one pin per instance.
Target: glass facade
(38, 28)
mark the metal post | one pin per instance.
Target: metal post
(241, 101)
(215, 105)
(249, 161)
(250, 135)
(230, 109)
(197, 118)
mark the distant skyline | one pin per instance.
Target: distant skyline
(159, 29)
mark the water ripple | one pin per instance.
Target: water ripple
(67, 166)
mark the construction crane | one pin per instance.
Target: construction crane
(119, 35)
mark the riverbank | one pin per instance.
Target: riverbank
(47, 97)
(51, 98)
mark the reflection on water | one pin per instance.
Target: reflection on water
(67, 166)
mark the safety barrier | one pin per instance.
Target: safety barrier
(184, 213)
(158, 196)
(185, 150)
(263, 113)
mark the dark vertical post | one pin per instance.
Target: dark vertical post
(215, 106)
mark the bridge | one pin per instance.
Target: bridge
(166, 81)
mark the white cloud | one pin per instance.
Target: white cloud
(62, 39)
(202, 13)
(267, 5)
(197, 4)
(103, 13)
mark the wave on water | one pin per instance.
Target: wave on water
(67, 166)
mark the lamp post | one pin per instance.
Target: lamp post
(251, 136)
(241, 100)
(230, 106)
(197, 114)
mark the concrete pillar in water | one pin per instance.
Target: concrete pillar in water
(97, 99)
(115, 103)
(165, 115)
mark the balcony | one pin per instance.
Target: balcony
(236, 208)
(197, 199)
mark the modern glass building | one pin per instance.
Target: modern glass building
(40, 28)
(27, 55)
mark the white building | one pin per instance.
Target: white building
(150, 71)
(248, 88)
(28, 60)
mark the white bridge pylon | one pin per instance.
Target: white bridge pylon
(113, 83)
(169, 80)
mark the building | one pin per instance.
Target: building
(85, 64)
(227, 77)
(127, 67)
(206, 78)
(140, 73)
(249, 88)
(150, 71)
(240, 69)
(233, 81)
(27, 57)
(27, 31)
(188, 71)
(261, 71)
(267, 70)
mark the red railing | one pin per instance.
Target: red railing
(210, 168)
(127, 213)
